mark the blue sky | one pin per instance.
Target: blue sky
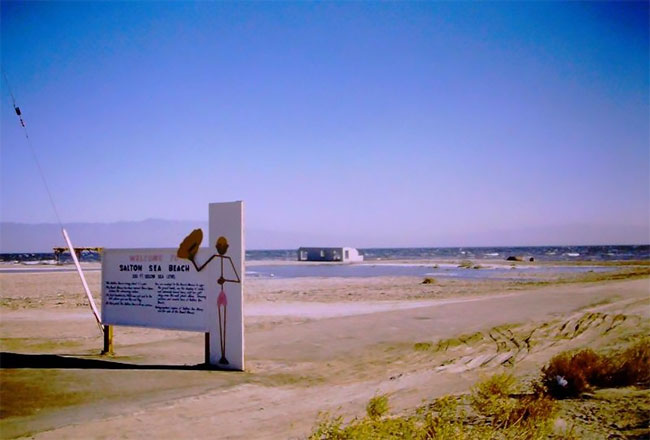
(396, 123)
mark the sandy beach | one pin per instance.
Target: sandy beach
(313, 345)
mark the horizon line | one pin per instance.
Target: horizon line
(402, 247)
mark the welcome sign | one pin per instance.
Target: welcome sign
(190, 288)
(153, 288)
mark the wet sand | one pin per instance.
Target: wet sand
(312, 345)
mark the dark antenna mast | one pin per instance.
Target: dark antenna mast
(56, 212)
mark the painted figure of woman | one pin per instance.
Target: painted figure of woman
(188, 249)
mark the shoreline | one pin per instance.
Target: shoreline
(419, 261)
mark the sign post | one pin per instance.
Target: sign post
(108, 339)
(191, 288)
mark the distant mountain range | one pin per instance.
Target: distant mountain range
(42, 237)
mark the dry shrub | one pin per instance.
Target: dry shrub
(634, 365)
(429, 280)
(492, 398)
(570, 374)
(377, 406)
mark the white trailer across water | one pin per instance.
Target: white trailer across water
(338, 254)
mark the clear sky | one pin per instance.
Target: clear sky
(397, 123)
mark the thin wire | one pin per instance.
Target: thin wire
(33, 151)
(13, 99)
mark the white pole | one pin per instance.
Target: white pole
(83, 279)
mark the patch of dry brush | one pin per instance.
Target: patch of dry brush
(496, 410)
(570, 374)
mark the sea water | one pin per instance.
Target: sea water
(378, 261)
(501, 272)
(539, 253)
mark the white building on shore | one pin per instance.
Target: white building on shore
(340, 254)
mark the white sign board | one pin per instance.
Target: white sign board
(190, 288)
(153, 288)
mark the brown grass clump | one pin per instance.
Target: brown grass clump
(429, 280)
(570, 374)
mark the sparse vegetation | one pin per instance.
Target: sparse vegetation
(627, 273)
(604, 301)
(429, 280)
(494, 409)
(446, 344)
(423, 346)
(529, 417)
